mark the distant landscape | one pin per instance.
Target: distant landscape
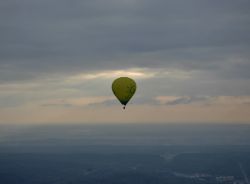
(125, 154)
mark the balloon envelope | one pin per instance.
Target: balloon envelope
(124, 88)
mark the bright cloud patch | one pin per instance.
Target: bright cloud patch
(136, 73)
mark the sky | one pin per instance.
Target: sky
(190, 59)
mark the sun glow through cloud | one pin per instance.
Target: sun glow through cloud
(136, 73)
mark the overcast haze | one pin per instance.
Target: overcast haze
(190, 59)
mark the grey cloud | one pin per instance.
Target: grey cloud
(188, 100)
(41, 38)
(134, 101)
(78, 28)
(104, 103)
(151, 101)
(10, 101)
(66, 105)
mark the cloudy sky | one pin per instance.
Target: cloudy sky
(190, 59)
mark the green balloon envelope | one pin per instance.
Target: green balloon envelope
(124, 88)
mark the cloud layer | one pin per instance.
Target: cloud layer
(58, 50)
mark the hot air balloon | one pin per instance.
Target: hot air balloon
(124, 88)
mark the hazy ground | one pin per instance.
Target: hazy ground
(124, 153)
